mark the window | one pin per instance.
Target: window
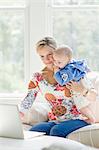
(75, 2)
(76, 23)
(12, 51)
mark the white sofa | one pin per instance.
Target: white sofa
(87, 135)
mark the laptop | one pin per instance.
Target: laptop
(11, 125)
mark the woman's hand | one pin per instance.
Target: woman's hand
(79, 87)
(76, 86)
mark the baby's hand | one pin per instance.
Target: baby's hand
(56, 68)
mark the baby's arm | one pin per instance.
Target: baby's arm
(57, 75)
(62, 76)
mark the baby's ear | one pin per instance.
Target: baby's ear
(67, 92)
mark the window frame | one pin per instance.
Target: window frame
(51, 8)
(25, 10)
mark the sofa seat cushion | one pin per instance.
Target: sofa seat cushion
(65, 144)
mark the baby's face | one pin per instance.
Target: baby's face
(60, 61)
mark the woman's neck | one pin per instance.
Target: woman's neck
(48, 75)
(50, 67)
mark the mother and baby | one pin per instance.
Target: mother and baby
(65, 86)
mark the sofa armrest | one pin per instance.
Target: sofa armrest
(88, 135)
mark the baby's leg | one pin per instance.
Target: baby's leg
(88, 113)
(91, 94)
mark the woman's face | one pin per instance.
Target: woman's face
(46, 55)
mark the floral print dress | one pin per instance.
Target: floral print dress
(62, 107)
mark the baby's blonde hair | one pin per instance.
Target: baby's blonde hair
(64, 50)
(46, 41)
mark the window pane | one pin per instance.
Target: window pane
(80, 30)
(11, 51)
(74, 2)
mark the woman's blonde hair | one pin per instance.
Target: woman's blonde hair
(46, 41)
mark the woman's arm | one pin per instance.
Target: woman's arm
(27, 102)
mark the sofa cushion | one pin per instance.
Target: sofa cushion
(67, 145)
(36, 114)
(88, 135)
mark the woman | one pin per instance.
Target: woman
(64, 117)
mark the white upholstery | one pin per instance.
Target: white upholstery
(37, 113)
(41, 143)
(66, 144)
(88, 135)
